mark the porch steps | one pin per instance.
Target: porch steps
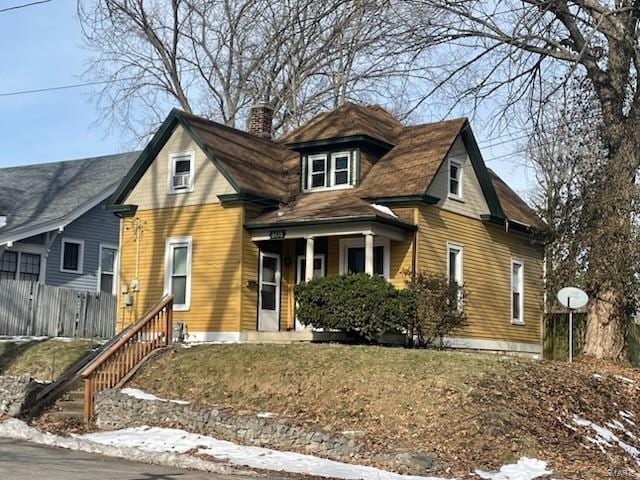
(70, 406)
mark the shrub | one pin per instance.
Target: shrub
(359, 304)
(437, 309)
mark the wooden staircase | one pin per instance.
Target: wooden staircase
(115, 364)
(109, 366)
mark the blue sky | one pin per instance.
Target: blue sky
(41, 46)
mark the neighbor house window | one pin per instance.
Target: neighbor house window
(352, 253)
(72, 255)
(517, 288)
(181, 172)
(107, 269)
(455, 178)
(178, 271)
(328, 170)
(20, 266)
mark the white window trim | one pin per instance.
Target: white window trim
(172, 166)
(80, 269)
(300, 273)
(378, 241)
(33, 249)
(459, 267)
(109, 246)
(329, 170)
(168, 268)
(460, 165)
(520, 321)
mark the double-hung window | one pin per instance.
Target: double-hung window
(181, 172)
(328, 170)
(178, 271)
(454, 268)
(17, 265)
(72, 255)
(517, 291)
(455, 178)
(352, 256)
(107, 269)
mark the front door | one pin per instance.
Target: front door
(269, 292)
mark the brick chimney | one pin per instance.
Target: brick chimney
(260, 118)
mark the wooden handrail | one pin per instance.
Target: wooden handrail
(135, 328)
(128, 351)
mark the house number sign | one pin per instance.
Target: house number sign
(276, 234)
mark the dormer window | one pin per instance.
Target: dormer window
(455, 179)
(326, 171)
(181, 172)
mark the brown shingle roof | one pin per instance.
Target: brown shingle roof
(319, 206)
(514, 207)
(256, 164)
(349, 119)
(409, 167)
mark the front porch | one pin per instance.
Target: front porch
(289, 255)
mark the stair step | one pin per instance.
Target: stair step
(65, 404)
(66, 415)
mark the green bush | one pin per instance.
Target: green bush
(438, 309)
(359, 304)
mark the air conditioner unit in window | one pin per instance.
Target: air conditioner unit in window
(181, 181)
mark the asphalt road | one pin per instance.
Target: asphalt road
(28, 461)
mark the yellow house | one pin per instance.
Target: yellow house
(229, 221)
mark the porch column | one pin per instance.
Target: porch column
(308, 263)
(368, 253)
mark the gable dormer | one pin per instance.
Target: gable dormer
(337, 149)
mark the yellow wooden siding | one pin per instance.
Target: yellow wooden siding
(249, 289)
(152, 191)
(288, 281)
(216, 234)
(487, 255)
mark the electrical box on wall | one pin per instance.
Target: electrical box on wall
(127, 300)
(135, 286)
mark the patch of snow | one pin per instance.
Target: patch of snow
(154, 439)
(384, 209)
(525, 469)
(606, 438)
(266, 414)
(599, 377)
(570, 427)
(134, 392)
(624, 379)
(21, 339)
(18, 430)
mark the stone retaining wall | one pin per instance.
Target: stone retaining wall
(115, 410)
(16, 394)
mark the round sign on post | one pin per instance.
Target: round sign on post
(572, 298)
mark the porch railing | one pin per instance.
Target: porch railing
(152, 331)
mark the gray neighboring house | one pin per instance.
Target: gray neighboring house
(53, 225)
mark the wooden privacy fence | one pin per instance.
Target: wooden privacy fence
(556, 337)
(31, 308)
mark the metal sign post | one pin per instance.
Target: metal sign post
(572, 298)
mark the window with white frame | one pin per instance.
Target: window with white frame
(352, 256)
(178, 271)
(107, 269)
(455, 178)
(18, 265)
(328, 171)
(517, 291)
(72, 255)
(454, 268)
(181, 172)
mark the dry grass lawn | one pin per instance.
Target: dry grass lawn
(41, 359)
(472, 410)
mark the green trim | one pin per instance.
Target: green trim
(512, 224)
(358, 159)
(247, 197)
(481, 172)
(152, 149)
(404, 199)
(345, 141)
(122, 210)
(336, 220)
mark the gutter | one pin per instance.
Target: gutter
(328, 221)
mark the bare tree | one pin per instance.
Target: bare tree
(217, 57)
(525, 51)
